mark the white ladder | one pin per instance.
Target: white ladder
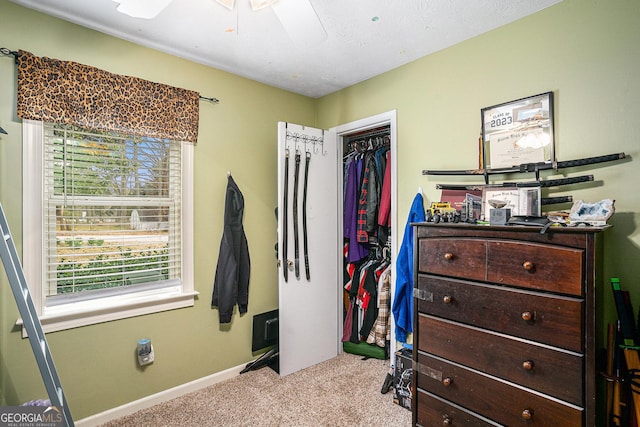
(30, 319)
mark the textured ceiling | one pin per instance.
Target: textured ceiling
(364, 37)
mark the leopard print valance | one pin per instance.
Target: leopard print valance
(57, 91)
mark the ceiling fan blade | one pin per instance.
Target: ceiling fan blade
(261, 4)
(300, 21)
(227, 3)
(145, 9)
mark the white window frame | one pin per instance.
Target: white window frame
(76, 314)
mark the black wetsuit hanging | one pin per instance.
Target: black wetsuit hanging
(285, 225)
(304, 216)
(296, 244)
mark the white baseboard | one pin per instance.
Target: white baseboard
(154, 399)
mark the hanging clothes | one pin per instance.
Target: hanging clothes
(364, 172)
(231, 283)
(403, 298)
(381, 332)
(369, 199)
(357, 250)
(384, 215)
(366, 301)
(384, 212)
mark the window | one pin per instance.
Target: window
(107, 224)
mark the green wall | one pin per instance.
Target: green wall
(585, 52)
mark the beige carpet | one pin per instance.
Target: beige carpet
(344, 391)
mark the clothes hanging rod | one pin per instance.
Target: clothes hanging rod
(361, 141)
(370, 133)
(5, 51)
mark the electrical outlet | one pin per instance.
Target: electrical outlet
(145, 353)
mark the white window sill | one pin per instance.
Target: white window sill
(85, 313)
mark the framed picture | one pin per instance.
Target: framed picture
(529, 202)
(521, 200)
(518, 132)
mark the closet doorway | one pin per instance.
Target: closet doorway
(368, 129)
(311, 307)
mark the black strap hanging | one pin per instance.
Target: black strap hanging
(285, 225)
(295, 215)
(304, 217)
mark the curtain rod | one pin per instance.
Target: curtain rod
(7, 52)
(214, 100)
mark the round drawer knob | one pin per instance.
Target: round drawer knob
(527, 316)
(448, 256)
(446, 421)
(447, 299)
(527, 414)
(528, 265)
(447, 381)
(527, 365)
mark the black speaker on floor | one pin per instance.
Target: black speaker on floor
(265, 330)
(264, 335)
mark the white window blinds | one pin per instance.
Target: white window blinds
(112, 213)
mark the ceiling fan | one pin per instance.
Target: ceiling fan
(298, 17)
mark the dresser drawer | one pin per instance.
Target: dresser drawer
(524, 264)
(547, 370)
(549, 319)
(508, 404)
(536, 266)
(453, 257)
(433, 411)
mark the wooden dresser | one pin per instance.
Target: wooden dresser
(505, 325)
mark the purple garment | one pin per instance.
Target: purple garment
(349, 198)
(357, 250)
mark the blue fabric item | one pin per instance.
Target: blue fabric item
(403, 299)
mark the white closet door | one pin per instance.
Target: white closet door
(309, 309)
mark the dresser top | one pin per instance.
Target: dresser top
(521, 228)
(577, 237)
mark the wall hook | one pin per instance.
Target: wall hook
(324, 153)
